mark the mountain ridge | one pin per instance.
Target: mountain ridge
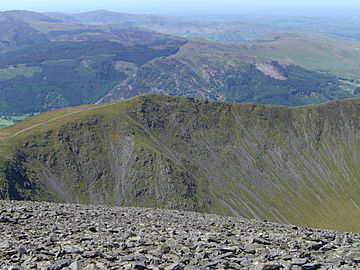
(291, 165)
(231, 72)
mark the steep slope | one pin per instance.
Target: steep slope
(292, 165)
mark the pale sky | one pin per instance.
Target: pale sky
(183, 7)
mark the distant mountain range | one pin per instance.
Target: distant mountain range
(68, 60)
(111, 17)
(289, 165)
(222, 27)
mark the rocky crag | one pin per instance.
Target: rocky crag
(65, 236)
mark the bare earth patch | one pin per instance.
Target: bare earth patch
(271, 71)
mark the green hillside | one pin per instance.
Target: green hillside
(60, 74)
(293, 165)
(293, 70)
(56, 64)
(311, 51)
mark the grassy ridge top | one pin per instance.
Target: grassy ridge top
(56, 118)
(293, 165)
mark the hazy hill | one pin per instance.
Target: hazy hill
(62, 17)
(14, 32)
(58, 30)
(110, 17)
(190, 27)
(47, 64)
(292, 165)
(237, 28)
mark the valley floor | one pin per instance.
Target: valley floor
(65, 236)
(6, 121)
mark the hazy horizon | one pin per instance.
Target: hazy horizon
(196, 7)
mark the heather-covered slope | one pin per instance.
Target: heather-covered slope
(292, 165)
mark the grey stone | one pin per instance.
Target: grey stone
(90, 254)
(311, 266)
(271, 266)
(299, 261)
(4, 244)
(75, 266)
(59, 264)
(78, 237)
(174, 266)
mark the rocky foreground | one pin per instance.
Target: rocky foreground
(57, 236)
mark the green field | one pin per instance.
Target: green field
(6, 121)
(19, 70)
